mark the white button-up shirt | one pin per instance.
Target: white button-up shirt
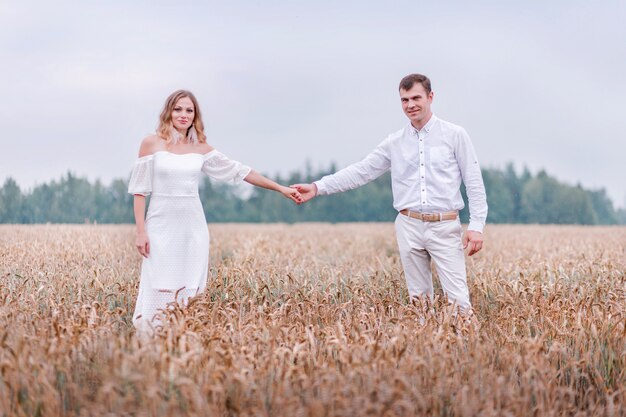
(427, 167)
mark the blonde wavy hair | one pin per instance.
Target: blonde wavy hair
(166, 129)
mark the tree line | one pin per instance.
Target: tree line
(512, 198)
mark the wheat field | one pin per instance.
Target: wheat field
(314, 320)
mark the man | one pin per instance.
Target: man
(428, 160)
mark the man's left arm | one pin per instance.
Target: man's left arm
(475, 188)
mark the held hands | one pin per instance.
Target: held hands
(142, 244)
(307, 191)
(292, 194)
(473, 240)
(259, 180)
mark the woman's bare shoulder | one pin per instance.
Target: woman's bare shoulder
(205, 148)
(151, 144)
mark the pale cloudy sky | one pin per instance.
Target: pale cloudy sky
(537, 83)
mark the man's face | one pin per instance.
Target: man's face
(416, 104)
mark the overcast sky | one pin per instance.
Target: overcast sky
(536, 83)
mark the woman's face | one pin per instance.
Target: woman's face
(183, 114)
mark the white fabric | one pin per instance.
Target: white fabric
(176, 226)
(419, 242)
(427, 167)
(141, 178)
(219, 167)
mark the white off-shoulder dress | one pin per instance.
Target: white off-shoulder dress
(176, 226)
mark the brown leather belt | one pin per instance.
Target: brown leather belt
(430, 217)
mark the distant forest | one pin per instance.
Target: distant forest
(512, 198)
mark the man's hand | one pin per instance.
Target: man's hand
(292, 194)
(473, 240)
(307, 191)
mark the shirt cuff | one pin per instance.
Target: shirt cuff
(475, 226)
(321, 189)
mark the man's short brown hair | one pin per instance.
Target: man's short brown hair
(407, 82)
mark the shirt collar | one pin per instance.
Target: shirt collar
(427, 127)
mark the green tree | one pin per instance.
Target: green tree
(11, 202)
(603, 207)
(511, 198)
(546, 201)
(499, 198)
(114, 204)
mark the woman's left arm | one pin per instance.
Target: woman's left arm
(255, 178)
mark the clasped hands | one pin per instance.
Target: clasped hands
(299, 193)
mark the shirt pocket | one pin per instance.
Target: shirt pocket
(440, 157)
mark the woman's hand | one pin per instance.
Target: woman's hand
(259, 180)
(307, 191)
(143, 244)
(292, 194)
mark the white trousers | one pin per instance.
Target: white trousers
(419, 242)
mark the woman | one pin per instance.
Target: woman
(173, 237)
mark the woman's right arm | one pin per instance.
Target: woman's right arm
(140, 188)
(141, 238)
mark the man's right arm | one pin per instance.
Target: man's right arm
(360, 173)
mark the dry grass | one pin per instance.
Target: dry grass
(314, 320)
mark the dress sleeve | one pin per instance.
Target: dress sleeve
(218, 166)
(141, 178)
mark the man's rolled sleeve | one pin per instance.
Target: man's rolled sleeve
(321, 188)
(473, 180)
